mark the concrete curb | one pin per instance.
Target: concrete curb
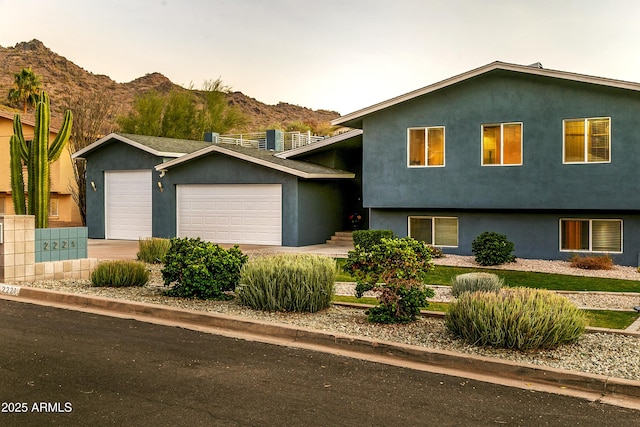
(469, 366)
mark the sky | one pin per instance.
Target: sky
(341, 55)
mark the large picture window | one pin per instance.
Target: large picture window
(587, 140)
(502, 144)
(436, 231)
(426, 146)
(591, 235)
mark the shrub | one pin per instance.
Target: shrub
(198, 269)
(366, 239)
(153, 250)
(288, 282)
(473, 282)
(516, 318)
(120, 274)
(395, 269)
(491, 248)
(603, 262)
(436, 252)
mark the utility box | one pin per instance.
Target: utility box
(275, 140)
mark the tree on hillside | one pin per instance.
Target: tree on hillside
(217, 115)
(92, 119)
(183, 113)
(26, 87)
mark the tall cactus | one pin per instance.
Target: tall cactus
(38, 155)
(17, 180)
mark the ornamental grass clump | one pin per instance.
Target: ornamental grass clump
(120, 274)
(515, 318)
(473, 282)
(153, 250)
(288, 282)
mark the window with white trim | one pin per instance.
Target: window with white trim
(53, 206)
(425, 146)
(436, 231)
(502, 144)
(591, 235)
(586, 140)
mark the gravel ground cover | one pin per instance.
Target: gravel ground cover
(598, 353)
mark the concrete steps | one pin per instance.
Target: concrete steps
(341, 238)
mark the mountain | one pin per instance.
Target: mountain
(62, 78)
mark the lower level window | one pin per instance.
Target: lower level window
(436, 231)
(591, 235)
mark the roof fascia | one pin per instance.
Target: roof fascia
(80, 153)
(497, 65)
(317, 145)
(214, 148)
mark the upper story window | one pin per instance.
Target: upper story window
(426, 146)
(502, 144)
(587, 140)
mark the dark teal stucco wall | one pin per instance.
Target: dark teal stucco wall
(536, 234)
(524, 202)
(312, 210)
(220, 169)
(111, 156)
(323, 210)
(542, 182)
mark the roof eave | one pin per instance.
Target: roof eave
(317, 145)
(355, 119)
(217, 149)
(80, 153)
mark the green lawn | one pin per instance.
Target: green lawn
(595, 318)
(441, 275)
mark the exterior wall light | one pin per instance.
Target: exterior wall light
(93, 185)
(160, 187)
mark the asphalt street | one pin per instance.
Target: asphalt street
(62, 367)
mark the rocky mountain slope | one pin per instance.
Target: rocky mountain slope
(62, 78)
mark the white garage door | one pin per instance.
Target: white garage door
(128, 204)
(230, 213)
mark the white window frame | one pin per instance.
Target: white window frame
(585, 142)
(54, 202)
(590, 250)
(426, 148)
(502, 125)
(433, 228)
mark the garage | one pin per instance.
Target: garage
(231, 213)
(128, 204)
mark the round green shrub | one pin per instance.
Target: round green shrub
(473, 282)
(288, 282)
(491, 248)
(198, 269)
(515, 318)
(120, 274)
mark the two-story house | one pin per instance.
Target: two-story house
(549, 158)
(63, 210)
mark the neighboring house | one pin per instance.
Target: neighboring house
(549, 158)
(141, 186)
(63, 210)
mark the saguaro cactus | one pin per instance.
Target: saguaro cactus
(38, 155)
(17, 180)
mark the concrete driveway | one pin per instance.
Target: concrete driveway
(128, 249)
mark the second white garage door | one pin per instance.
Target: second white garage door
(231, 213)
